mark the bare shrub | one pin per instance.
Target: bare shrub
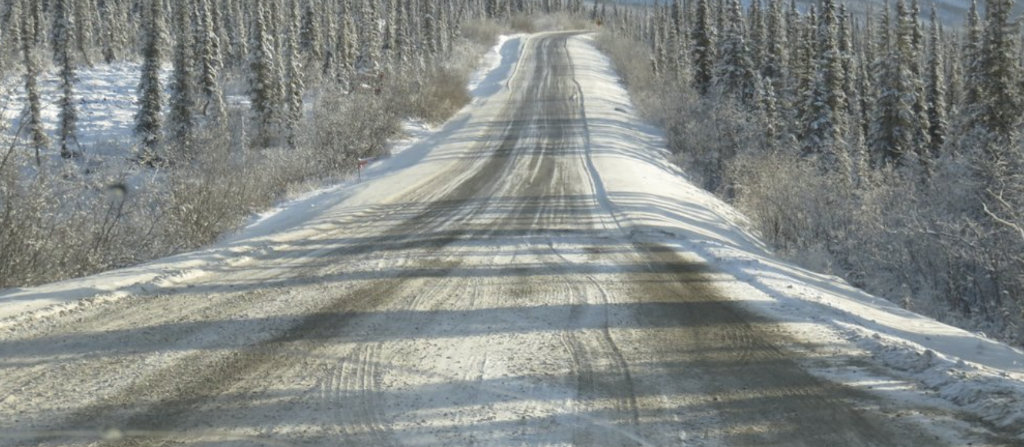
(208, 196)
(56, 223)
(444, 94)
(558, 21)
(21, 211)
(632, 62)
(481, 32)
(347, 126)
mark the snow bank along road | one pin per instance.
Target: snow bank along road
(505, 282)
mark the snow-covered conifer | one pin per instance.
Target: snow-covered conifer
(972, 56)
(263, 78)
(209, 62)
(329, 48)
(180, 118)
(347, 44)
(34, 123)
(430, 35)
(238, 35)
(734, 73)
(63, 33)
(999, 110)
(775, 49)
(758, 34)
(147, 118)
(825, 117)
(678, 16)
(293, 66)
(954, 76)
(310, 37)
(84, 27)
(703, 48)
(402, 40)
(371, 40)
(935, 90)
(909, 39)
(444, 29)
(894, 124)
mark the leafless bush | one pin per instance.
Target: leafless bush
(347, 126)
(444, 94)
(55, 223)
(20, 212)
(631, 60)
(481, 32)
(209, 196)
(559, 21)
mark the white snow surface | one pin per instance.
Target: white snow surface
(907, 356)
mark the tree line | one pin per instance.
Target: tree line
(902, 138)
(239, 103)
(279, 46)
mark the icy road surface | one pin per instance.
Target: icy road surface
(517, 278)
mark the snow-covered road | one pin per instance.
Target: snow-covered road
(530, 274)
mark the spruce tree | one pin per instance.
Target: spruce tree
(999, 110)
(83, 28)
(35, 122)
(370, 38)
(347, 46)
(776, 55)
(703, 48)
(908, 34)
(678, 16)
(210, 62)
(894, 124)
(295, 87)
(108, 33)
(657, 44)
(734, 73)
(180, 118)
(147, 118)
(35, 8)
(972, 57)
(310, 35)
(758, 34)
(769, 106)
(263, 79)
(866, 76)
(330, 41)
(63, 31)
(402, 40)
(218, 25)
(848, 58)
(954, 75)
(825, 111)
(388, 18)
(935, 92)
(430, 30)
(238, 35)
